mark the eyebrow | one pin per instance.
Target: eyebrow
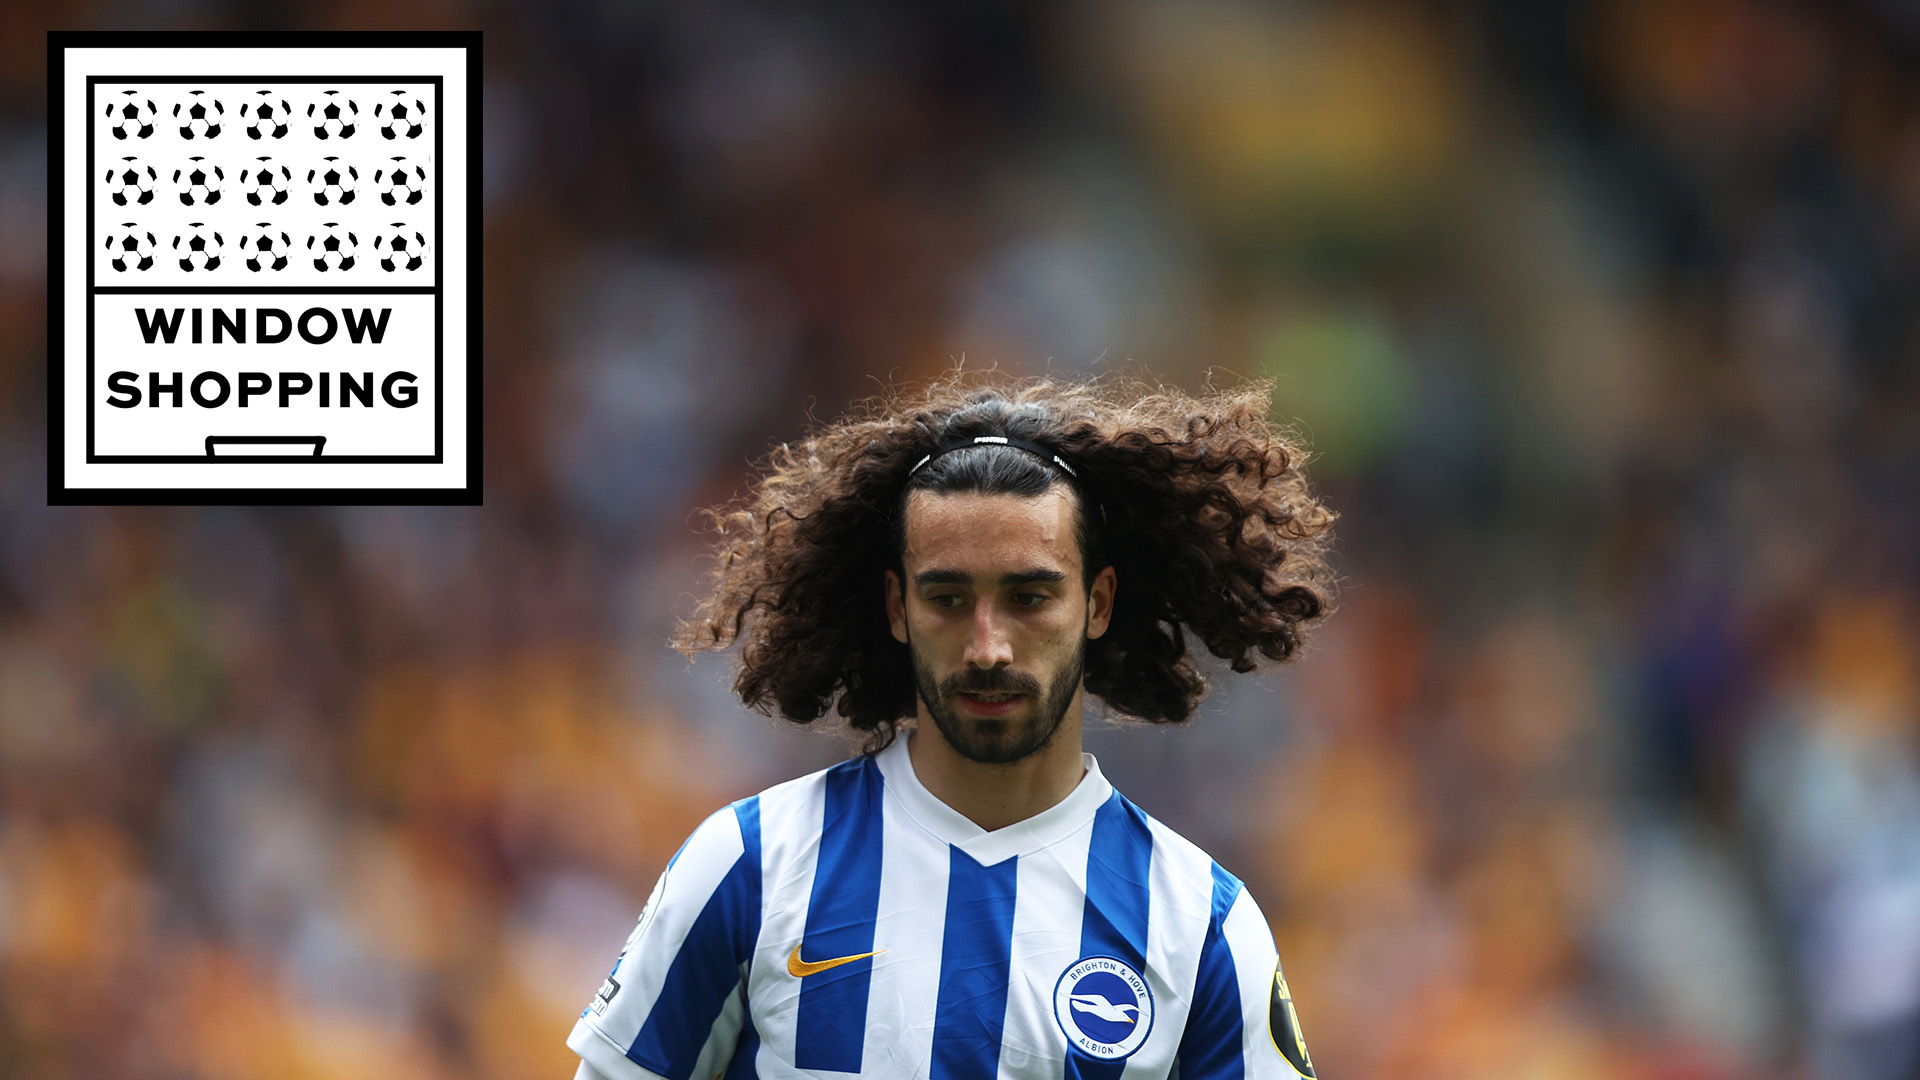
(961, 577)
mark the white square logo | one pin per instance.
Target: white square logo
(265, 254)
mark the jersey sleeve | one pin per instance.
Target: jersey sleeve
(674, 1005)
(1242, 1025)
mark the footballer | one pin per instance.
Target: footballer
(949, 572)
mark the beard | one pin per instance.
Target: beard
(997, 741)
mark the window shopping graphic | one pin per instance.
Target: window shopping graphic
(275, 267)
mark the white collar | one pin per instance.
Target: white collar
(1049, 826)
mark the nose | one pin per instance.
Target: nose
(988, 645)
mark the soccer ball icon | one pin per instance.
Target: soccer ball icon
(333, 183)
(333, 249)
(132, 250)
(265, 186)
(199, 250)
(266, 118)
(131, 183)
(199, 118)
(401, 117)
(333, 118)
(267, 251)
(132, 118)
(402, 185)
(199, 183)
(401, 249)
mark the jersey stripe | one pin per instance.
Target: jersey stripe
(790, 816)
(832, 1019)
(1119, 891)
(707, 967)
(747, 931)
(1046, 941)
(743, 1066)
(975, 961)
(912, 927)
(1246, 933)
(1211, 1047)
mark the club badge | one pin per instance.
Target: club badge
(1104, 1007)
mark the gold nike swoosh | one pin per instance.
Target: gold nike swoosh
(800, 969)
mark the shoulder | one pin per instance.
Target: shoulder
(787, 818)
(1189, 878)
(814, 783)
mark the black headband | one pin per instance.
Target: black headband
(996, 440)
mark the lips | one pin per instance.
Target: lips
(983, 706)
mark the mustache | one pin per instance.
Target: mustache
(990, 681)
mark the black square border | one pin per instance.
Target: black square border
(58, 493)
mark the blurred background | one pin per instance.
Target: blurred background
(1599, 315)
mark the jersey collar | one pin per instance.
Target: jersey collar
(1049, 826)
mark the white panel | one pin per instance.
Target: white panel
(914, 869)
(1177, 916)
(1254, 960)
(1046, 941)
(790, 817)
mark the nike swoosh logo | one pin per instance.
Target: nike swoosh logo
(800, 969)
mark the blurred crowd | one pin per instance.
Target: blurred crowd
(1598, 315)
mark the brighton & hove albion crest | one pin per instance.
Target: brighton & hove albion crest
(1104, 1007)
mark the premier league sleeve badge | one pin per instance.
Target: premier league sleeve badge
(1283, 1023)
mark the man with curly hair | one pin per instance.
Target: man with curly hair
(950, 573)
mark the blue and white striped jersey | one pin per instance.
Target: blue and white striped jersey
(849, 922)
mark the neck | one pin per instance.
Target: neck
(995, 796)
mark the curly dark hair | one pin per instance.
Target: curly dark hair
(1200, 506)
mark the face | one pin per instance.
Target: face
(997, 617)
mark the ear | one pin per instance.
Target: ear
(1100, 601)
(896, 607)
